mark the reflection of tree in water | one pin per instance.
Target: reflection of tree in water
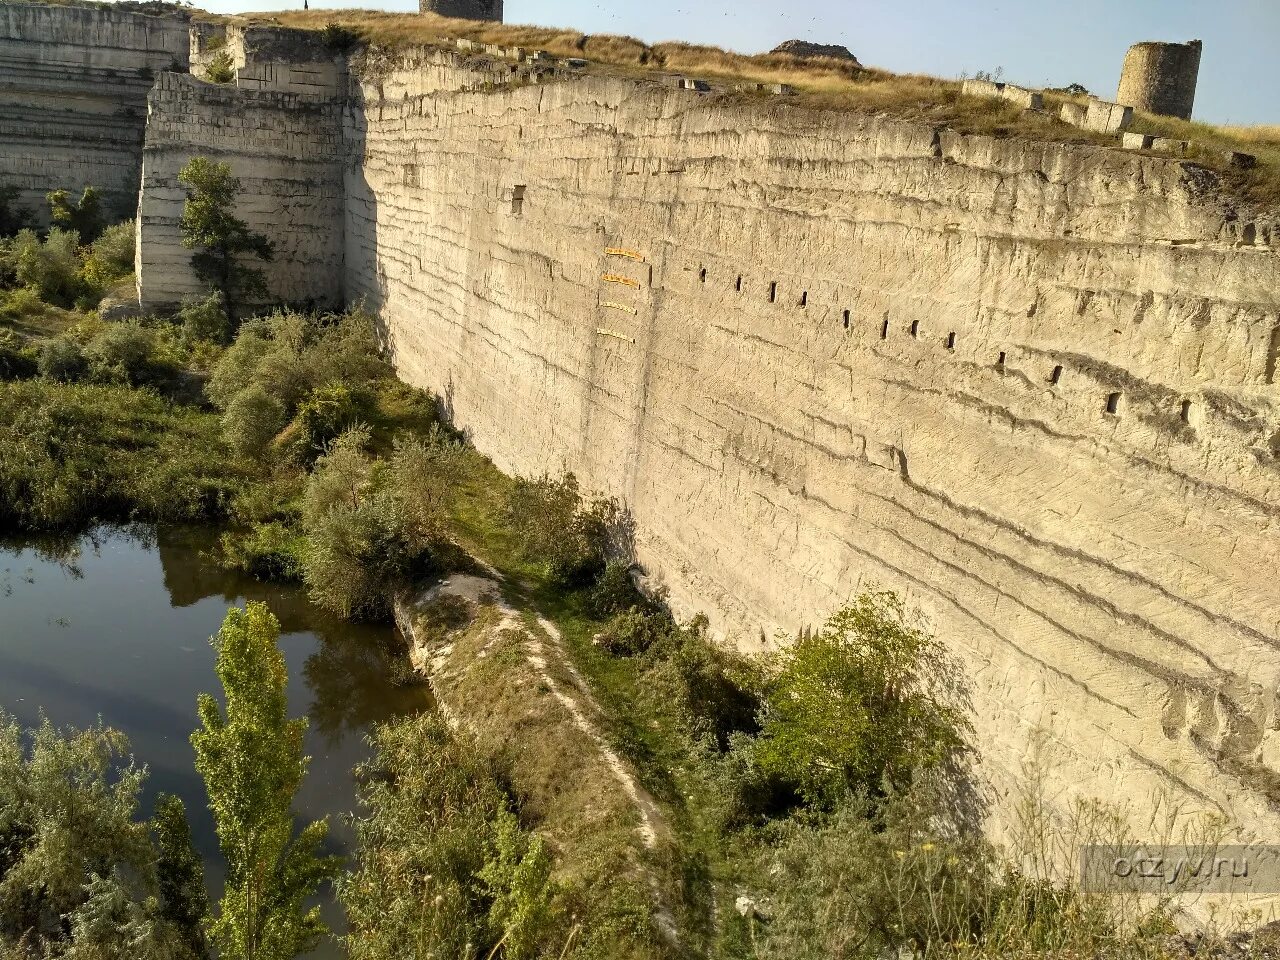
(351, 671)
(350, 676)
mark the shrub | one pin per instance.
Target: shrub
(557, 531)
(62, 360)
(365, 540)
(251, 421)
(869, 882)
(632, 632)
(325, 414)
(204, 321)
(614, 592)
(713, 689)
(238, 366)
(859, 705)
(123, 353)
(270, 551)
(17, 359)
(221, 69)
(444, 868)
(51, 268)
(110, 258)
(79, 873)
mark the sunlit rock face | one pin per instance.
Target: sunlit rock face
(1030, 386)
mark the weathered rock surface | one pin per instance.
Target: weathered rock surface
(803, 48)
(285, 148)
(812, 351)
(73, 98)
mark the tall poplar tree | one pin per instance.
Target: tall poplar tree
(251, 759)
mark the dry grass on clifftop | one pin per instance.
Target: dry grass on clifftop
(820, 82)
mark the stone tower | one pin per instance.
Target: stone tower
(1160, 78)
(464, 9)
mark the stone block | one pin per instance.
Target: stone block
(1103, 116)
(1241, 161)
(1170, 145)
(1028, 99)
(1073, 113)
(1136, 141)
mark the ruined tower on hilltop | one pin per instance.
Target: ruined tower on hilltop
(464, 9)
(1160, 78)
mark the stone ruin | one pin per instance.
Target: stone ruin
(463, 9)
(1160, 78)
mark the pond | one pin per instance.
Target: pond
(118, 627)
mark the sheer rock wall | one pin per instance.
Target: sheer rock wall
(73, 99)
(284, 147)
(815, 351)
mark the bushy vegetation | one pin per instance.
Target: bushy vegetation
(74, 454)
(81, 875)
(445, 868)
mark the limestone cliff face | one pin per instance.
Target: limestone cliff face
(1030, 386)
(73, 99)
(285, 149)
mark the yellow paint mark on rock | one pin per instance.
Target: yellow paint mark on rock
(626, 281)
(614, 333)
(622, 252)
(614, 305)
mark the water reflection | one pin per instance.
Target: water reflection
(117, 625)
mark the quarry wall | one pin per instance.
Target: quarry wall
(285, 149)
(1030, 386)
(73, 95)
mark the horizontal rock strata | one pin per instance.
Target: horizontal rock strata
(73, 99)
(1031, 386)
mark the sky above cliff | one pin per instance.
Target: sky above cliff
(1037, 44)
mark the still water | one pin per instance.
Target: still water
(117, 625)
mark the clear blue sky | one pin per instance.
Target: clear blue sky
(1038, 43)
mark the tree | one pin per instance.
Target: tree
(12, 217)
(252, 763)
(221, 69)
(78, 872)
(180, 874)
(221, 240)
(858, 706)
(84, 217)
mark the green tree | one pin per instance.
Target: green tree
(222, 240)
(221, 69)
(12, 217)
(180, 874)
(78, 871)
(858, 706)
(252, 763)
(83, 217)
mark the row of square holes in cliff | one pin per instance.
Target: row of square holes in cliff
(1113, 401)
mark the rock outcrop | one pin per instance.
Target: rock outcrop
(278, 126)
(805, 49)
